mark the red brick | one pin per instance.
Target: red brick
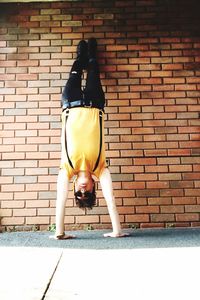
(116, 47)
(171, 192)
(187, 217)
(12, 187)
(181, 184)
(152, 123)
(144, 161)
(173, 80)
(16, 141)
(159, 201)
(144, 146)
(161, 74)
(6, 180)
(184, 200)
(147, 209)
(12, 221)
(174, 66)
(148, 193)
(151, 81)
(145, 177)
(192, 208)
(25, 148)
(37, 220)
(180, 168)
(6, 196)
(157, 184)
(17, 212)
(132, 169)
(172, 209)
(132, 153)
(7, 76)
(137, 218)
(12, 204)
(36, 204)
(87, 219)
(45, 179)
(17, 156)
(126, 210)
(162, 218)
(37, 187)
(178, 152)
(192, 192)
(129, 124)
(176, 108)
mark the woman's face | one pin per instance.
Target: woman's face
(84, 182)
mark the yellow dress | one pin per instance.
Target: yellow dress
(83, 141)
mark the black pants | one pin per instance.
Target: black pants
(92, 92)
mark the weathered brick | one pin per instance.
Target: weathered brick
(37, 187)
(147, 209)
(157, 184)
(12, 188)
(137, 218)
(162, 217)
(87, 219)
(145, 177)
(187, 217)
(170, 176)
(37, 220)
(147, 193)
(12, 221)
(184, 200)
(25, 179)
(24, 212)
(37, 203)
(12, 204)
(36, 154)
(192, 192)
(151, 84)
(144, 161)
(171, 192)
(15, 156)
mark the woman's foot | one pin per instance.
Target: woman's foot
(82, 53)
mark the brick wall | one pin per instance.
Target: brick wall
(149, 53)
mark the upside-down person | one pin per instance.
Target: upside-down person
(83, 152)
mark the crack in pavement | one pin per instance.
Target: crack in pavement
(51, 278)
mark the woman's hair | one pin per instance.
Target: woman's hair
(85, 200)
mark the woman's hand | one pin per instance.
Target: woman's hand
(116, 235)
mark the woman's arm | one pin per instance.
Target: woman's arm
(107, 189)
(62, 193)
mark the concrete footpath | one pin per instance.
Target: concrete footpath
(150, 264)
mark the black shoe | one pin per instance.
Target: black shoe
(82, 53)
(92, 48)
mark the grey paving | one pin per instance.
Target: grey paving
(26, 272)
(150, 264)
(140, 238)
